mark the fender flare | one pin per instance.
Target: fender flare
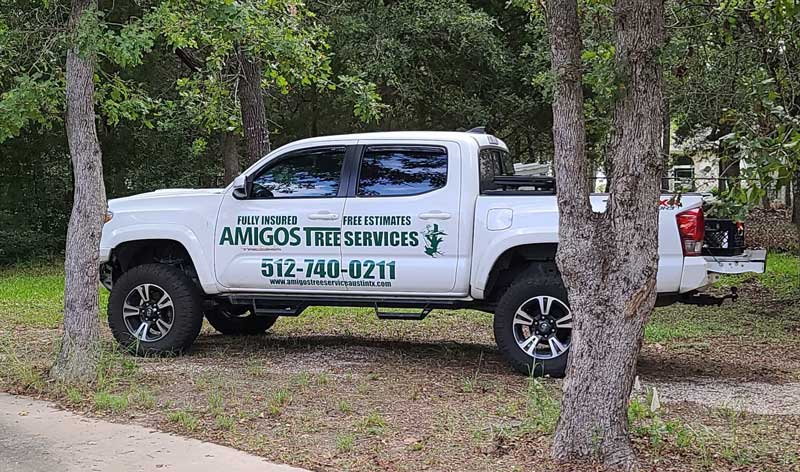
(483, 266)
(202, 260)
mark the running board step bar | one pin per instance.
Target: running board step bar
(265, 307)
(402, 315)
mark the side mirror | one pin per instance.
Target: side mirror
(248, 185)
(240, 188)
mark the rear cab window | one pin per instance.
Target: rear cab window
(493, 162)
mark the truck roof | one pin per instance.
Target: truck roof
(481, 138)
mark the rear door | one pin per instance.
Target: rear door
(401, 219)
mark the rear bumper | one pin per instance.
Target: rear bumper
(752, 260)
(701, 271)
(694, 275)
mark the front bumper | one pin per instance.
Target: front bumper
(105, 254)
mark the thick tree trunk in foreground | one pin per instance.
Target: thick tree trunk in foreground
(796, 199)
(666, 142)
(608, 261)
(80, 344)
(230, 157)
(254, 117)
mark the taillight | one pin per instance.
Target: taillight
(691, 226)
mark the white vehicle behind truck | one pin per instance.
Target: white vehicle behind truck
(404, 222)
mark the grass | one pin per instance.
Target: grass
(684, 322)
(184, 418)
(216, 403)
(337, 389)
(279, 399)
(17, 364)
(373, 423)
(345, 442)
(225, 422)
(116, 403)
(33, 295)
(782, 276)
(344, 406)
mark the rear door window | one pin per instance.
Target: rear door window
(392, 171)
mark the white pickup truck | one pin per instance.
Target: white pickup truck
(398, 221)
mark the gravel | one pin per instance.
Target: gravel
(753, 397)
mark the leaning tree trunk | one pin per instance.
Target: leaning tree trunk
(80, 344)
(608, 260)
(230, 157)
(251, 101)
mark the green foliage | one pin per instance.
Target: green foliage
(735, 73)
(282, 36)
(731, 67)
(31, 99)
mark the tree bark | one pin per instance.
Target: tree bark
(80, 344)
(796, 198)
(251, 101)
(230, 157)
(666, 144)
(608, 260)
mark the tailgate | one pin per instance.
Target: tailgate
(751, 260)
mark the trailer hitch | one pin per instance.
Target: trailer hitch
(705, 299)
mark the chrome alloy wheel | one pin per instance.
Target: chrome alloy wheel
(543, 327)
(148, 312)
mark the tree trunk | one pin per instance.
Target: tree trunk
(608, 260)
(80, 344)
(251, 101)
(796, 198)
(666, 144)
(230, 157)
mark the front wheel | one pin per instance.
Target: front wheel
(533, 323)
(155, 309)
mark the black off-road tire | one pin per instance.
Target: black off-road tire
(539, 279)
(187, 300)
(237, 320)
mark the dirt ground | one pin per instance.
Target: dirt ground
(336, 389)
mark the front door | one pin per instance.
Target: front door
(286, 235)
(401, 220)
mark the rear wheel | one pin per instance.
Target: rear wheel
(155, 309)
(533, 323)
(237, 320)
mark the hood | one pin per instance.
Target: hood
(170, 193)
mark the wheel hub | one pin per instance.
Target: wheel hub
(150, 312)
(545, 327)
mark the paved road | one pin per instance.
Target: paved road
(35, 437)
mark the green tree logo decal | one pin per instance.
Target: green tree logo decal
(433, 238)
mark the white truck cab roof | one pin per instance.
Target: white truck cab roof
(481, 138)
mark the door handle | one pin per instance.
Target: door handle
(323, 215)
(435, 215)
